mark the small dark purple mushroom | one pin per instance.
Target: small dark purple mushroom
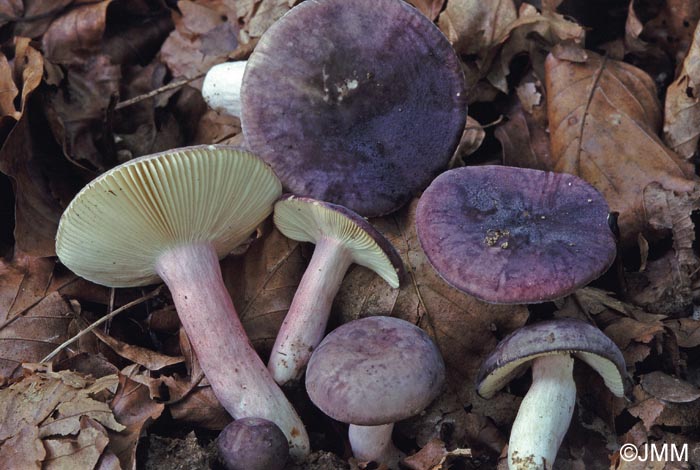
(342, 238)
(514, 235)
(253, 444)
(545, 412)
(360, 103)
(371, 373)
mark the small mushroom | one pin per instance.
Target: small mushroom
(371, 373)
(221, 88)
(514, 235)
(360, 103)
(545, 412)
(171, 216)
(253, 444)
(342, 238)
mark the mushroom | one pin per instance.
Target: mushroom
(371, 373)
(221, 88)
(359, 103)
(253, 444)
(342, 237)
(546, 410)
(514, 235)
(172, 216)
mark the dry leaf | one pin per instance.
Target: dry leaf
(262, 284)
(686, 330)
(667, 388)
(682, 106)
(434, 456)
(134, 408)
(430, 8)
(603, 118)
(472, 138)
(81, 451)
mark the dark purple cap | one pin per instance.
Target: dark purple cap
(514, 235)
(360, 103)
(563, 336)
(307, 220)
(375, 370)
(253, 444)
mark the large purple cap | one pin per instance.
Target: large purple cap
(514, 235)
(563, 336)
(360, 103)
(376, 370)
(253, 444)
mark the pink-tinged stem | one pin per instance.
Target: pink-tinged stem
(236, 373)
(305, 324)
(373, 443)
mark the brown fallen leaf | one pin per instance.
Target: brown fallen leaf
(434, 456)
(686, 330)
(80, 451)
(672, 27)
(430, 8)
(472, 138)
(682, 105)
(523, 135)
(262, 284)
(136, 410)
(667, 388)
(604, 118)
(24, 450)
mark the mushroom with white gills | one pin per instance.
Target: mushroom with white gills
(371, 373)
(342, 238)
(172, 216)
(509, 235)
(545, 413)
(252, 444)
(359, 103)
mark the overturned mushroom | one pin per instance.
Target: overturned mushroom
(172, 215)
(545, 412)
(342, 238)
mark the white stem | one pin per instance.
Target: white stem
(221, 88)
(544, 415)
(236, 373)
(373, 444)
(305, 324)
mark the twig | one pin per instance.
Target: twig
(157, 91)
(101, 321)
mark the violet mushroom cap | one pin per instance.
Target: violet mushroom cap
(514, 235)
(545, 413)
(371, 373)
(357, 103)
(172, 216)
(253, 444)
(342, 238)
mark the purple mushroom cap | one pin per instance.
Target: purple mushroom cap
(253, 444)
(514, 235)
(563, 336)
(360, 103)
(375, 370)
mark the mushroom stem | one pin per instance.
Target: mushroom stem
(236, 373)
(221, 88)
(305, 324)
(544, 415)
(374, 444)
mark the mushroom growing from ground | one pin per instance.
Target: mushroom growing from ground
(359, 103)
(342, 238)
(253, 444)
(371, 373)
(546, 410)
(514, 235)
(171, 216)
